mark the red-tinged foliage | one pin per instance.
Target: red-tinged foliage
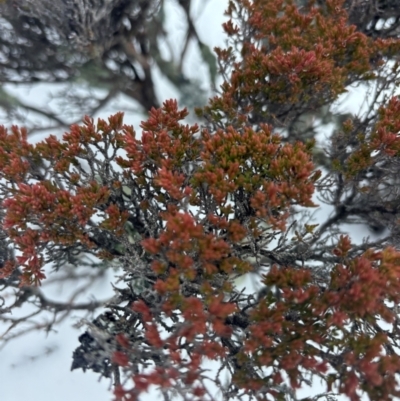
(293, 61)
(122, 340)
(343, 247)
(358, 292)
(383, 142)
(153, 336)
(120, 359)
(143, 309)
(185, 210)
(276, 177)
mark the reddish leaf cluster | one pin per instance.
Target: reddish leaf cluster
(284, 335)
(293, 59)
(186, 210)
(182, 172)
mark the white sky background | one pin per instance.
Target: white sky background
(26, 371)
